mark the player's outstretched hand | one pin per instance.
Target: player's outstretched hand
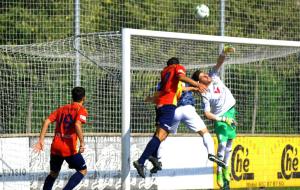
(228, 49)
(39, 146)
(231, 122)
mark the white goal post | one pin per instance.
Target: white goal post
(127, 34)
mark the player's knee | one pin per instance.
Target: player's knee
(203, 131)
(83, 172)
(54, 174)
(161, 134)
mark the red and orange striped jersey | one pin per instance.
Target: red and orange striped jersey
(169, 84)
(65, 140)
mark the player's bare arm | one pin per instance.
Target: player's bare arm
(189, 88)
(214, 117)
(211, 116)
(79, 132)
(201, 87)
(153, 98)
(226, 50)
(39, 146)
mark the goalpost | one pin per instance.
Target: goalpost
(252, 57)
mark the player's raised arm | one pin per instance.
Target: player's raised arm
(226, 50)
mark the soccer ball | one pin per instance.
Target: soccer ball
(202, 11)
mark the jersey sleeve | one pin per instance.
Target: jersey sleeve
(180, 70)
(205, 105)
(52, 117)
(213, 73)
(82, 115)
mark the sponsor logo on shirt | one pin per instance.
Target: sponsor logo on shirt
(217, 90)
(181, 71)
(82, 117)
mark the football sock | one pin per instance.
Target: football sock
(208, 143)
(74, 180)
(155, 153)
(221, 153)
(227, 152)
(49, 181)
(150, 149)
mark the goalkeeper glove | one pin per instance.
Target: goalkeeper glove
(228, 49)
(230, 121)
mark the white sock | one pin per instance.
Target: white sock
(228, 152)
(221, 153)
(208, 143)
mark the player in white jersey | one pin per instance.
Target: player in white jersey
(218, 105)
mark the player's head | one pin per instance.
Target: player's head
(201, 77)
(173, 60)
(78, 94)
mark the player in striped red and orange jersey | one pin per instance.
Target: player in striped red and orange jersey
(69, 119)
(166, 103)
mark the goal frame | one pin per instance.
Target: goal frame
(126, 78)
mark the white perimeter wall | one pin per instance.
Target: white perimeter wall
(185, 164)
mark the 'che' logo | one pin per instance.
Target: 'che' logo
(240, 164)
(289, 163)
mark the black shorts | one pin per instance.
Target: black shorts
(75, 162)
(164, 116)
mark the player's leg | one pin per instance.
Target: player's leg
(194, 122)
(165, 118)
(154, 159)
(220, 129)
(228, 149)
(155, 153)
(150, 149)
(209, 144)
(55, 166)
(76, 162)
(231, 134)
(221, 154)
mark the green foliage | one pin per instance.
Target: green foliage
(38, 21)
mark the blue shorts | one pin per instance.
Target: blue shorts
(164, 116)
(75, 162)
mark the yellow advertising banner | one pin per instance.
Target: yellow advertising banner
(264, 162)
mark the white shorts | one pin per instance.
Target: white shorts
(188, 115)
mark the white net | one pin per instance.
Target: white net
(34, 21)
(36, 79)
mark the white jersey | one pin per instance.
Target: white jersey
(218, 98)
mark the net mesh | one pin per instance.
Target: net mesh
(35, 21)
(37, 78)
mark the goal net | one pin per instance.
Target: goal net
(263, 75)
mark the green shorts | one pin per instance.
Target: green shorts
(223, 130)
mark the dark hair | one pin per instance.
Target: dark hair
(78, 93)
(196, 74)
(173, 60)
